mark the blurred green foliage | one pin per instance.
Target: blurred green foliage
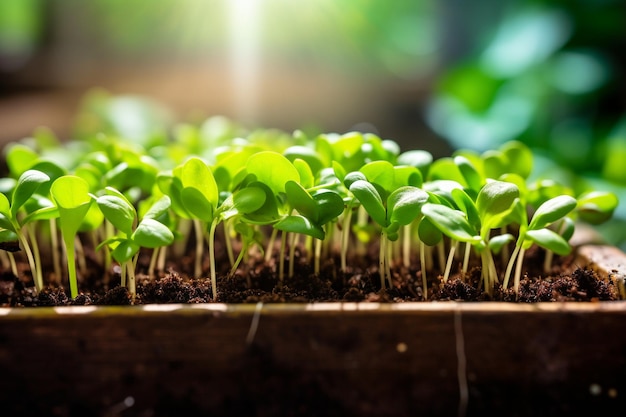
(550, 75)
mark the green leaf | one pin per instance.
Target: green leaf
(596, 207)
(300, 224)
(403, 205)
(520, 158)
(160, 207)
(467, 206)
(340, 171)
(249, 199)
(469, 172)
(151, 233)
(272, 169)
(329, 206)
(71, 194)
(496, 243)
(353, 176)
(307, 179)
(494, 203)
(196, 174)
(450, 222)
(495, 164)
(20, 158)
(8, 236)
(44, 213)
(552, 210)
(196, 203)
(125, 250)
(370, 199)
(446, 170)
(550, 240)
(416, 158)
(268, 212)
(27, 185)
(428, 232)
(301, 200)
(118, 211)
(5, 206)
(379, 172)
(406, 175)
(305, 154)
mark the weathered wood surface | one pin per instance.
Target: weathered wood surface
(345, 359)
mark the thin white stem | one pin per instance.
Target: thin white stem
(292, 253)
(197, 224)
(406, 246)
(518, 271)
(12, 262)
(212, 258)
(423, 268)
(446, 274)
(509, 266)
(468, 251)
(229, 244)
(281, 260)
(270, 245)
(381, 259)
(389, 257)
(345, 236)
(318, 256)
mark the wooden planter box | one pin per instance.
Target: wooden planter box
(343, 359)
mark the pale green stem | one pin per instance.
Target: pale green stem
(4, 258)
(509, 266)
(123, 275)
(197, 225)
(244, 248)
(381, 259)
(160, 266)
(281, 257)
(292, 253)
(318, 255)
(30, 229)
(321, 186)
(31, 261)
(389, 257)
(71, 264)
(441, 255)
(423, 268)
(345, 236)
(130, 270)
(308, 245)
(153, 263)
(362, 219)
(13, 264)
(229, 243)
(547, 262)
(453, 247)
(468, 250)
(54, 243)
(406, 246)
(212, 258)
(270, 245)
(504, 252)
(518, 271)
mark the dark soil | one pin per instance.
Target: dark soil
(258, 282)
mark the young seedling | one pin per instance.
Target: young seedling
(537, 232)
(474, 224)
(71, 194)
(10, 220)
(148, 233)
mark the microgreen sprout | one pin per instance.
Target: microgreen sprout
(316, 195)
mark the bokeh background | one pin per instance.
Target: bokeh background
(436, 75)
